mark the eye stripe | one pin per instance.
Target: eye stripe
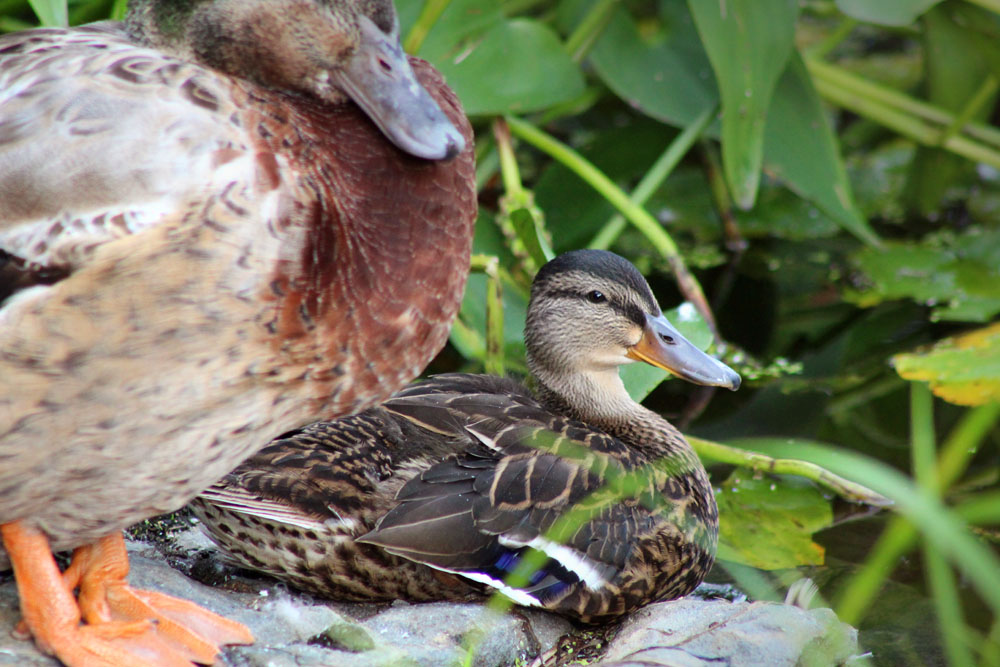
(629, 310)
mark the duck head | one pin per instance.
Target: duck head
(591, 312)
(332, 49)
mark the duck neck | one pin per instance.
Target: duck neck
(601, 400)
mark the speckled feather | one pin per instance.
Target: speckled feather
(198, 264)
(456, 474)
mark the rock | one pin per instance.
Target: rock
(697, 633)
(296, 630)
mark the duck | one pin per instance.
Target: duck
(443, 491)
(218, 220)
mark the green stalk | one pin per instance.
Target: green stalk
(897, 539)
(991, 5)
(51, 13)
(983, 508)
(494, 363)
(939, 577)
(589, 29)
(118, 9)
(596, 179)
(637, 215)
(948, 606)
(844, 488)
(509, 172)
(656, 175)
(900, 535)
(986, 92)
(841, 84)
(907, 125)
(922, 435)
(963, 442)
(429, 15)
(836, 36)
(941, 528)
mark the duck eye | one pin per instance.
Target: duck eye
(597, 297)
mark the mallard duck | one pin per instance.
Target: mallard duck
(218, 220)
(438, 493)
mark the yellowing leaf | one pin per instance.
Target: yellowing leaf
(963, 369)
(768, 523)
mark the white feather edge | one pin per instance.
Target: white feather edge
(270, 510)
(569, 558)
(518, 596)
(485, 439)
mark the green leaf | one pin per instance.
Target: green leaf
(51, 13)
(886, 12)
(516, 66)
(801, 150)
(956, 67)
(958, 276)
(665, 74)
(768, 522)
(964, 369)
(458, 27)
(748, 43)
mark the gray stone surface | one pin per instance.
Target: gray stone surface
(296, 630)
(696, 633)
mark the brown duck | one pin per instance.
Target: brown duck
(442, 491)
(217, 221)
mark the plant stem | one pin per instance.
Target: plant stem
(634, 213)
(902, 113)
(589, 29)
(836, 36)
(656, 175)
(509, 172)
(900, 535)
(992, 5)
(844, 488)
(922, 435)
(429, 15)
(986, 92)
(941, 582)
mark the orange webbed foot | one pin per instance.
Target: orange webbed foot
(123, 626)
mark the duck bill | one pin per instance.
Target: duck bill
(664, 347)
(378, 77)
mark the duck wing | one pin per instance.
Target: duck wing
(527, 479)
(324, 471)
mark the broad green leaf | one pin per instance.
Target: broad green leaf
(956, 68)
(801, 149)
(516, 66)
(51, 13)
(886, 12)
(458, 27)
(768, 522)
(958, 276)
(665, 74)
(668, 77)
(964, 369)
(748, 43)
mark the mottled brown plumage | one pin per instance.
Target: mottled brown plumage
(201, 250)
(440, 491)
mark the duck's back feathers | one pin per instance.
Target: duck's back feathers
(479, 474)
